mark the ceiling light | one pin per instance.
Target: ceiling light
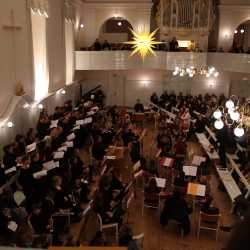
(216, 74)
(63, 92)
(230, 104)
(239, 132)
(219, 124)
(81, 25)
(10, 124)
(235, 116)
(242, 31)
(236, 31)
(119, 23)
(217, 114)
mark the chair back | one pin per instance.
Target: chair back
(210, 218)
(139, 239)
(151, 197)
(181, 190)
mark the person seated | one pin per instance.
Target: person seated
(179, 180)
(126, 238)
(43, 126)
(200, 125)
(9, 158)
(128, 136)
(176, 208)
(106, 45)
(154, 98)
(116, 183)
(208, 208)
(180, 146)
(90, 233)
(151, 186)
(19, 145)
(38, 220)
(139, 107)
(30, 136)
(174, 45)
(97, 45)
(81, 191)
(164, 141)
(134, 147)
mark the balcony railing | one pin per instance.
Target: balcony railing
(118, 60)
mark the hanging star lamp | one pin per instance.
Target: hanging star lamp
(143, 43)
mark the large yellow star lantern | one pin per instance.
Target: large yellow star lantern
(143, 43)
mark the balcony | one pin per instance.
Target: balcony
(120, 60)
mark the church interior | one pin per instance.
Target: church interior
(125, 125)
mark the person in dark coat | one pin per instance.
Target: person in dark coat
(176, 208)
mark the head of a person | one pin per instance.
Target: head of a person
(57, 182)
(36, 209)
(125, 235)
(152, 183)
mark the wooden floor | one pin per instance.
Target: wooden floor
(158, 238)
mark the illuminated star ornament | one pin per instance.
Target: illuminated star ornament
(143, 43)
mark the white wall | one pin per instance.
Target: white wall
(95, 13)
(27, 118)
(232, 14)
(56, 45)
(15, 54)
(123, 87)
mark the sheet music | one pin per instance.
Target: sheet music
(48, 164)
(201, 190)
(69, 144)
(53, 124)
(110, 157)
(10, 170)
(196, 189)
(91, 112)
(190, 170)
(31, 147)
(167, 162)
(55, 165)
(87, 120)
(71, 137)
(197, 160)
(140, 173)
(63, 148)
(58, 155)
(161, 182)
(79, 122)
(76, 127)
(40, 174)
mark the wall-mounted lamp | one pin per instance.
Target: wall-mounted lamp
(61, 91)
(26, 106)
(40, 106)
(119, 23)
(242, 31)
(211, 84)
(82, 25)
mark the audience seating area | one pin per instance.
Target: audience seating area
(89, 165)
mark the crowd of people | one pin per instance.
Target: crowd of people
(37, 184)
(171, 46)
